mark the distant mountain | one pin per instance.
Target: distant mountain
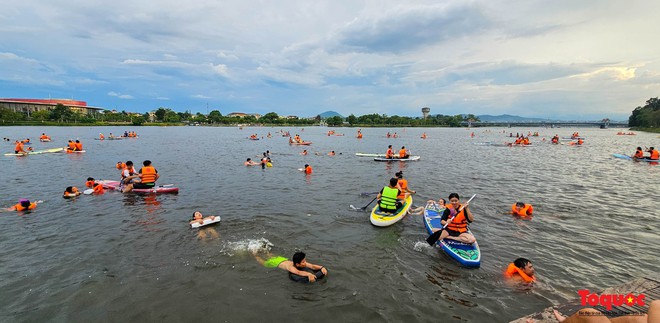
(509, 118)
(329, 114)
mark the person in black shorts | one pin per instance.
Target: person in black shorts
(148, 177)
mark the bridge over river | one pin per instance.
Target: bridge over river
(548, 124)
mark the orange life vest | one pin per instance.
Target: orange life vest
(120, 165)
(101, 136)
(148, 174)
(98, 189)
(512, 270)
(43, 137)
(639, 154)
(389, 153)
(19, 146)
(308, 170)
(524, 211)
(359, 136)
(654, 154)
(72, 145)
(89, 184)
(79, 146)
(20, 207)
(459, 223)
(403, 184)
(402, 153)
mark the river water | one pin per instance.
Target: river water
(122, 258)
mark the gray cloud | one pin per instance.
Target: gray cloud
(408, 28)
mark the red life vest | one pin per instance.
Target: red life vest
(655, 154)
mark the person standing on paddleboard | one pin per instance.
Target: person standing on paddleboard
(456, 221)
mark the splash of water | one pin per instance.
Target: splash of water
(248, 245)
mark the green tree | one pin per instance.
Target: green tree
(61, 113)
(351, 119)
(160, 114)
(334, 121)
(171, 116)
(215, 116)
(270, 117)
(138, 121)
(41, 115)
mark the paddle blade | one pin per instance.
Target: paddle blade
(432, 239)
(88, 191)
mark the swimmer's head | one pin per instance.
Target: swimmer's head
(197, 215)
(520, 204)
(24, 202)
(69, 189)
(298, 259)
(90, 178)
(525, 265)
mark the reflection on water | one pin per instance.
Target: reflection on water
(134, 257)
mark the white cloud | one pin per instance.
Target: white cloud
(200, 96)
(119, 95)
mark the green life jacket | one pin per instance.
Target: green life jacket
(388, 198)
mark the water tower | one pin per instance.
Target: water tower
(425, 112)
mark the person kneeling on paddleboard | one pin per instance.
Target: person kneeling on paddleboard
(148, 176)
(387, 197)
(522, 209)
(456, 221)
(298, 267)
(522, 268)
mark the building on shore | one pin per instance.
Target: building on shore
(33, 105)
(243, 115)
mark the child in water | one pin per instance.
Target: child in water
(199, 218)
(202, 233)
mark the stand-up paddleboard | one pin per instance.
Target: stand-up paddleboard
(74, 151)
(384, 219)
(115, 138)
(411, 158)
(44, 140)
(467, 255)
(369, 155)
(622, 156)
(158, 189)
(37, 152)
(304, 143)
(195, 225)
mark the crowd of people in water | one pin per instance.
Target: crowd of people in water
(455, 218)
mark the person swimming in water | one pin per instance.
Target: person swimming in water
(295, 266)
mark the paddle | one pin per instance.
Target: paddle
(364, 207)
(367, 193)
(433, 238)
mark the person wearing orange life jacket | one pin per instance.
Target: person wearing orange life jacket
(44, 137)
(98, 189)
(639, 153)
(457, 228)
(402, 185)
(70, 192)
(148, 176)
(120, 165)
(522, 268)
(90, 182)
(403, 153)
(71, 146)
(78, 145)
(579, 141)
(653, 154)
(101, 136)
(23, 205)
(522, 209)
(308, 169)
(18, 149)
(555, 139)
(390, 152)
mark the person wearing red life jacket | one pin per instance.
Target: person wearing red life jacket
(521, 268)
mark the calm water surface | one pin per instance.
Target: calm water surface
(123, 258)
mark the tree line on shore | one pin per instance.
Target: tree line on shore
(647, 116)
(63, 114)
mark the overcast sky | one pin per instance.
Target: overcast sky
(555, 59)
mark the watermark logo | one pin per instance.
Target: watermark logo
(609, 300)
